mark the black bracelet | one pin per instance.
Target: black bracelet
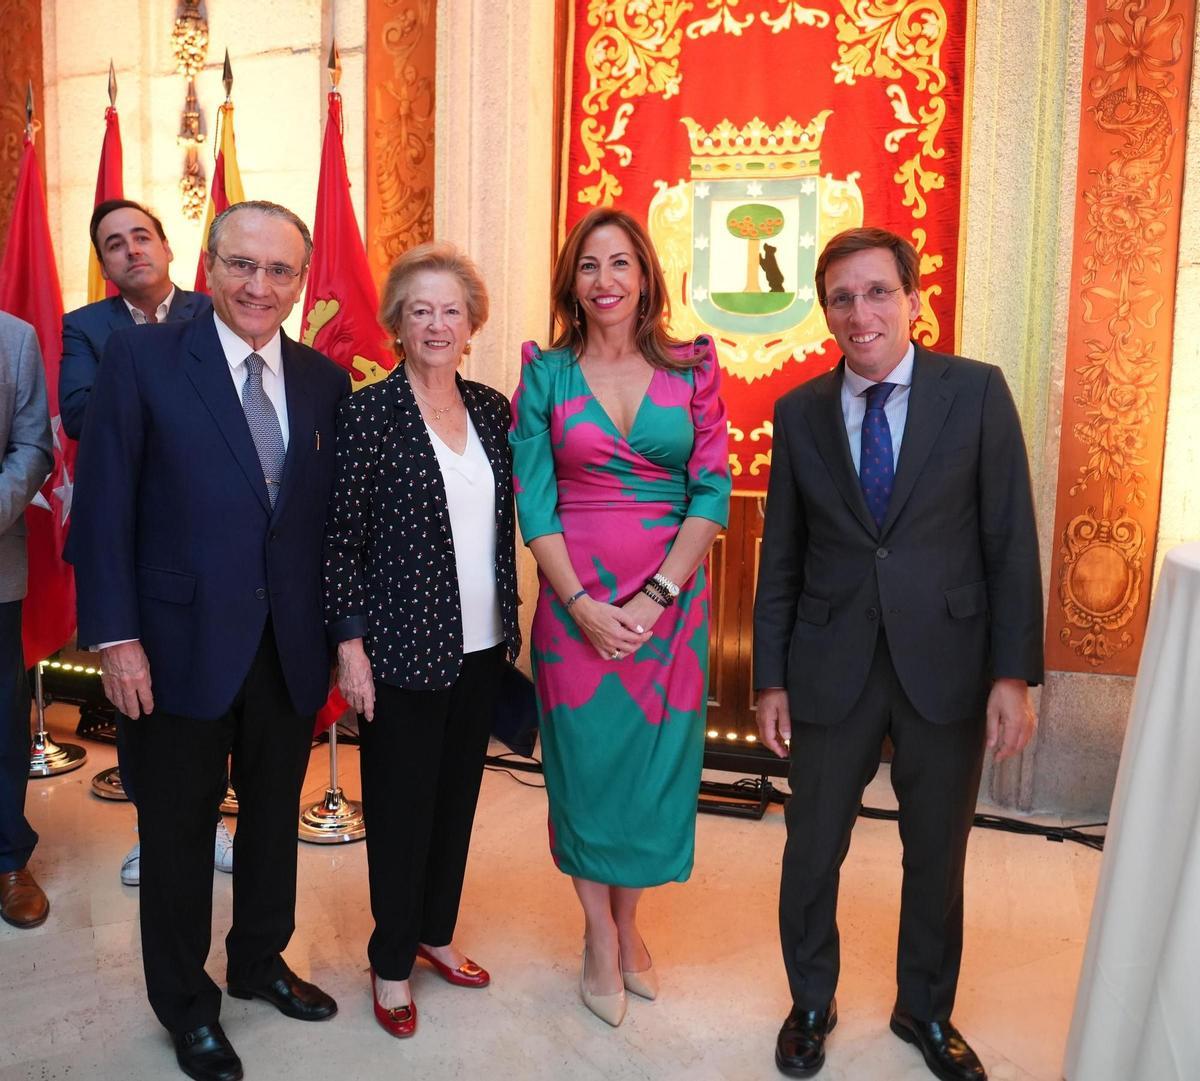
(656, 598)
(572, 599)
(658, 592)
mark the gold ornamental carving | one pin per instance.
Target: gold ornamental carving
(189, 42)
(1114, 422)
(401, 58)
(20, 65)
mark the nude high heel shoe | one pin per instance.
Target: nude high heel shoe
(644, 983)
(609, 1008)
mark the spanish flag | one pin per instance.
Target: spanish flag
(226, 187)
(109, 185)
(341, 302)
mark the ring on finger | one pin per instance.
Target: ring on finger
(615, 655)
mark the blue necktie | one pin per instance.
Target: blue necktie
(264, 425)
(876, 471)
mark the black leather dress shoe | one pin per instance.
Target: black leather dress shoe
(948, 1056)
(206, 1054)
(800, 1045)
(291, 996)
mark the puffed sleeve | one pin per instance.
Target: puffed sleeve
(708, 481)
(534, 483)
(360, 429)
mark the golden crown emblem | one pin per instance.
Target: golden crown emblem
(757, 149)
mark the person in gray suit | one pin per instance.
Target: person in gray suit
(135, 256)
(27, 461)
(899, 594)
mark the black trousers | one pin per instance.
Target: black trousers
(422, 763)
(180, 766)
(17, 838)
(935, 773)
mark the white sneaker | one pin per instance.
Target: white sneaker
(131, 866)
(223, 848)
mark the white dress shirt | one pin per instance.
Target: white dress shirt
(471, 500)
(854, 405)
(236, 352)
(160, 313)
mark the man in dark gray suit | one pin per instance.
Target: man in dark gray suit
(899, 594)
(135, 256)
(27, 461)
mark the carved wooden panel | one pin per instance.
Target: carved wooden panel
(1133, 125)
(20, 64)
(401, 64)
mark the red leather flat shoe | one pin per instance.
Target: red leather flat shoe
(468, 974)
(398, 1021)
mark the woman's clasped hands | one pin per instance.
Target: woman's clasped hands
(616, 632)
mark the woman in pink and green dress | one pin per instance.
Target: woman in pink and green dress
(622, 483)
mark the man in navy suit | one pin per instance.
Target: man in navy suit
(135, 256)
(202, 484)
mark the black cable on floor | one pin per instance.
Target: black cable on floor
(501, 762)
(507, 762)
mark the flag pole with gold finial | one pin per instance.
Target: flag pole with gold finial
(46, 758)
(335, 819)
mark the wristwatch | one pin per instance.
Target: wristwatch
(661, 580)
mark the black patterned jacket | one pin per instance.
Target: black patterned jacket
(390, 572)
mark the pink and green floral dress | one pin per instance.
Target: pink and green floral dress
(622, 741)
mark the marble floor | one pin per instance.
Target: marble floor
(72, 1003)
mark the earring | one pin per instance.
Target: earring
(401, 356)
(642, 304)
(467, 348)
(577, 309)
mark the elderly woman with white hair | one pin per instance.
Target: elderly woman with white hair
(421, 599)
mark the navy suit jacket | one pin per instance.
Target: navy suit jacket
(173, 536)
(85, 334)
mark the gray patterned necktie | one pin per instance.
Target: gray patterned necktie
(264, 425)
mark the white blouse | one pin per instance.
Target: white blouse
(471, 500)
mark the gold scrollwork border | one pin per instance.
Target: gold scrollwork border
(634, 51)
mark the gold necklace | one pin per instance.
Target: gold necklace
(437, 413)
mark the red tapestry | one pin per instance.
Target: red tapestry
(746, 133)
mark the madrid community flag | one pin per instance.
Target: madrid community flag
(29, 290)
(226, 187)
(110, 184)
(341, 301)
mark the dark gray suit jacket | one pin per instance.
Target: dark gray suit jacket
(24, 443)
(953, 576)
(85, 334)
